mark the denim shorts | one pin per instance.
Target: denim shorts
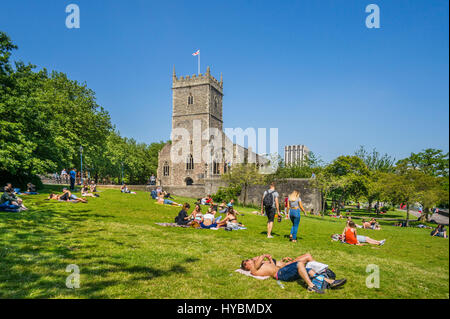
(361, 239)
(168, 202)
(288, 273)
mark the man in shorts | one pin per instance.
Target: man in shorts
(287, 270)
(271, 208)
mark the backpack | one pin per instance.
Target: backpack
(153, 194)
(319, 279)
(268, 199)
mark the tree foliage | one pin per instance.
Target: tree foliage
(44, 119)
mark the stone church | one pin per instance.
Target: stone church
(196, 106)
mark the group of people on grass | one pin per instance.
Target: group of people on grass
(211, 219)
(88, 189)
(10, 202)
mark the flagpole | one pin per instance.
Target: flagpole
(198, 62)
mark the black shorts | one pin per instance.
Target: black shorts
(270, 212)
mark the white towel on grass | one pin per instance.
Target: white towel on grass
(316, 266)
(247, 273)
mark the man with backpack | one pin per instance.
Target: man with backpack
(271, 205)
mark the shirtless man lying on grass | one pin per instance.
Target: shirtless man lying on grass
(287, 270)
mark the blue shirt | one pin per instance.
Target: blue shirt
(73, 174)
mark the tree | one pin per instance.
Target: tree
(352, 175)
(311, 164)
(46, 117)
(401, 189)
(374, 161)
(430, 161)
(243, 176)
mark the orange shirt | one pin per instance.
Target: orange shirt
(350, 237)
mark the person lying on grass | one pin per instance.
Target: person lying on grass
(164, 201)
(350, 236)
(287, 270)
(67, 196)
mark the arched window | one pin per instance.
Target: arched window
(190, 162)
(190, 99)
(216, 168)
(166, 169)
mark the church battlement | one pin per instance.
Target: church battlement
(200, 79)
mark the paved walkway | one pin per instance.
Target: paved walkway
(435, 217)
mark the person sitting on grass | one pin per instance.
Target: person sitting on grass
(164, 201)
(93, 187)
(167, 195)
(124, 189)
(374, 224)
(183, 217)
(196, 214)
(287, 270)
(440, 231)
(86, 192)
(223, 208)
(9, 198)
(31, 190)
(350, 236)
(230, 220)
(209, 219)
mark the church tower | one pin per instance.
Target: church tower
(197, 98)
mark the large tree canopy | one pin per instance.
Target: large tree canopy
(45, 118)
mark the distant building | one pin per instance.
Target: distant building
(295, 154)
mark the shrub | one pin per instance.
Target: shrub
(225, 194)
(19, 181)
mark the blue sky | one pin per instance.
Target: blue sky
(310, 68)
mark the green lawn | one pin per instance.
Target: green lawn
(123, 254)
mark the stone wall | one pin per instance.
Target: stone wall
(310, 197)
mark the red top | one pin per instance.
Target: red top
(350, 237)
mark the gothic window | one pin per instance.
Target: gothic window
(190, 99)
(166, 169)
(190, 162)
(216, 168)
(226, 167)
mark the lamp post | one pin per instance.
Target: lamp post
(81, 171)
(122, 173)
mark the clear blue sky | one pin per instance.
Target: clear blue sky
(310, 68)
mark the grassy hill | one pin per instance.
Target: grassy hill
(122, 253)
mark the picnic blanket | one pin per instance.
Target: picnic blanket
(172, 225)
(184, 226)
